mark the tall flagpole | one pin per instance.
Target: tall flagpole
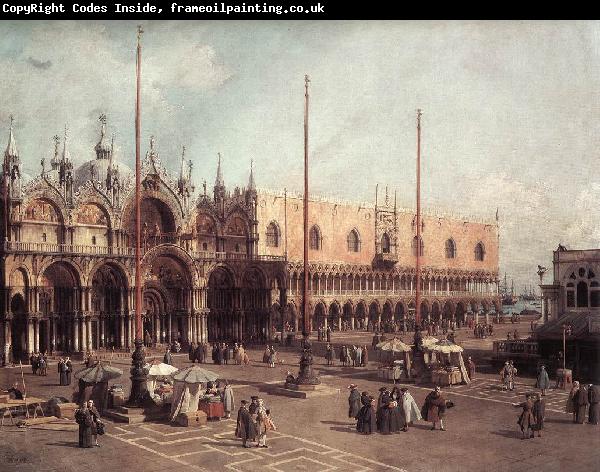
(305, 319)
(418, 249)
(306, 378)
(138, 184)
(138, 375)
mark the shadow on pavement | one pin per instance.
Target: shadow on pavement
(64, 444)
(507, 433)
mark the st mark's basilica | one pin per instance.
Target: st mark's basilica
(217, 263)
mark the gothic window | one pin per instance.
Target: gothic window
(44, 237)
(237, 248)
(450, 249)
(570, 295)
(204, 246)
(414, 247)
(315, 240)
(94, 240)
(353, 241)
(582, 295)
(594, 294)
(479, 252)
(273, 235)
(385, 244)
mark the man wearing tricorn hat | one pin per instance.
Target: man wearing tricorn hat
(353, 401)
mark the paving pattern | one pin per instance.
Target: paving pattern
(189, 447)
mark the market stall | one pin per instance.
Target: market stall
(395, 358)
(448, 367)
(93, 384)
(159, 382)
(188, 392)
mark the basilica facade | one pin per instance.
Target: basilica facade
(217, 264)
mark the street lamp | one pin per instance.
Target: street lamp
(567, 331)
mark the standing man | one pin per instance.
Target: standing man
(434, 408)
(471, 367)
(168, 358)
(328, 334)
(69, 369)
(581, 402)
(228, 400)
(539, 412)
(543, 381)
(594, 398)
(354, 404)
(246, 429)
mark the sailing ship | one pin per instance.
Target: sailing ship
(508, 296)
(528, 296)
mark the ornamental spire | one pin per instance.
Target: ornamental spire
(11, 148)
(219, 180)
(251, 184)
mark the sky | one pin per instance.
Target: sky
(511, 112)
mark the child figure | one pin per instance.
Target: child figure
(265, 424)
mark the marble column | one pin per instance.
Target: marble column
(76, 335)
(170, 328)
(84, 338)
(30, 346)
(36, 336)
(121, 330)
(88, 325)
(53, 339)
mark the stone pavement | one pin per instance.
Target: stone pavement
(316, 434)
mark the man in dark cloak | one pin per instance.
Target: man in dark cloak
(246, 428)
(353, 402)
(192, 352)
(85, 421)
(220, 355)
(367, 423)
(581, 402)
(384, 413)
(168, 358)
(594, 399)
(434, 408)
(526, 419)
(539, 413)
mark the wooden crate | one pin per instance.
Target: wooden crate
(192, 419)
(66, 410)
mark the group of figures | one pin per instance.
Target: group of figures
(90, 426)
(270, 356)
(219, 353)
(394, 411)
(65, 369)
(584, 399)
(355, 356)
(254, 422)
(532, 415)
(482, 330)
(39, 363)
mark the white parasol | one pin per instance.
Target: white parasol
(393, 345)
(160, 369)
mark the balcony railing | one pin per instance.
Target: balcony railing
(94, 250)
(392, 293)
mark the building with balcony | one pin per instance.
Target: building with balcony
(223, 265)
(571, 311)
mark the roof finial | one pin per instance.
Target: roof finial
(152, 143)
(65, 153)
(181, 173)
